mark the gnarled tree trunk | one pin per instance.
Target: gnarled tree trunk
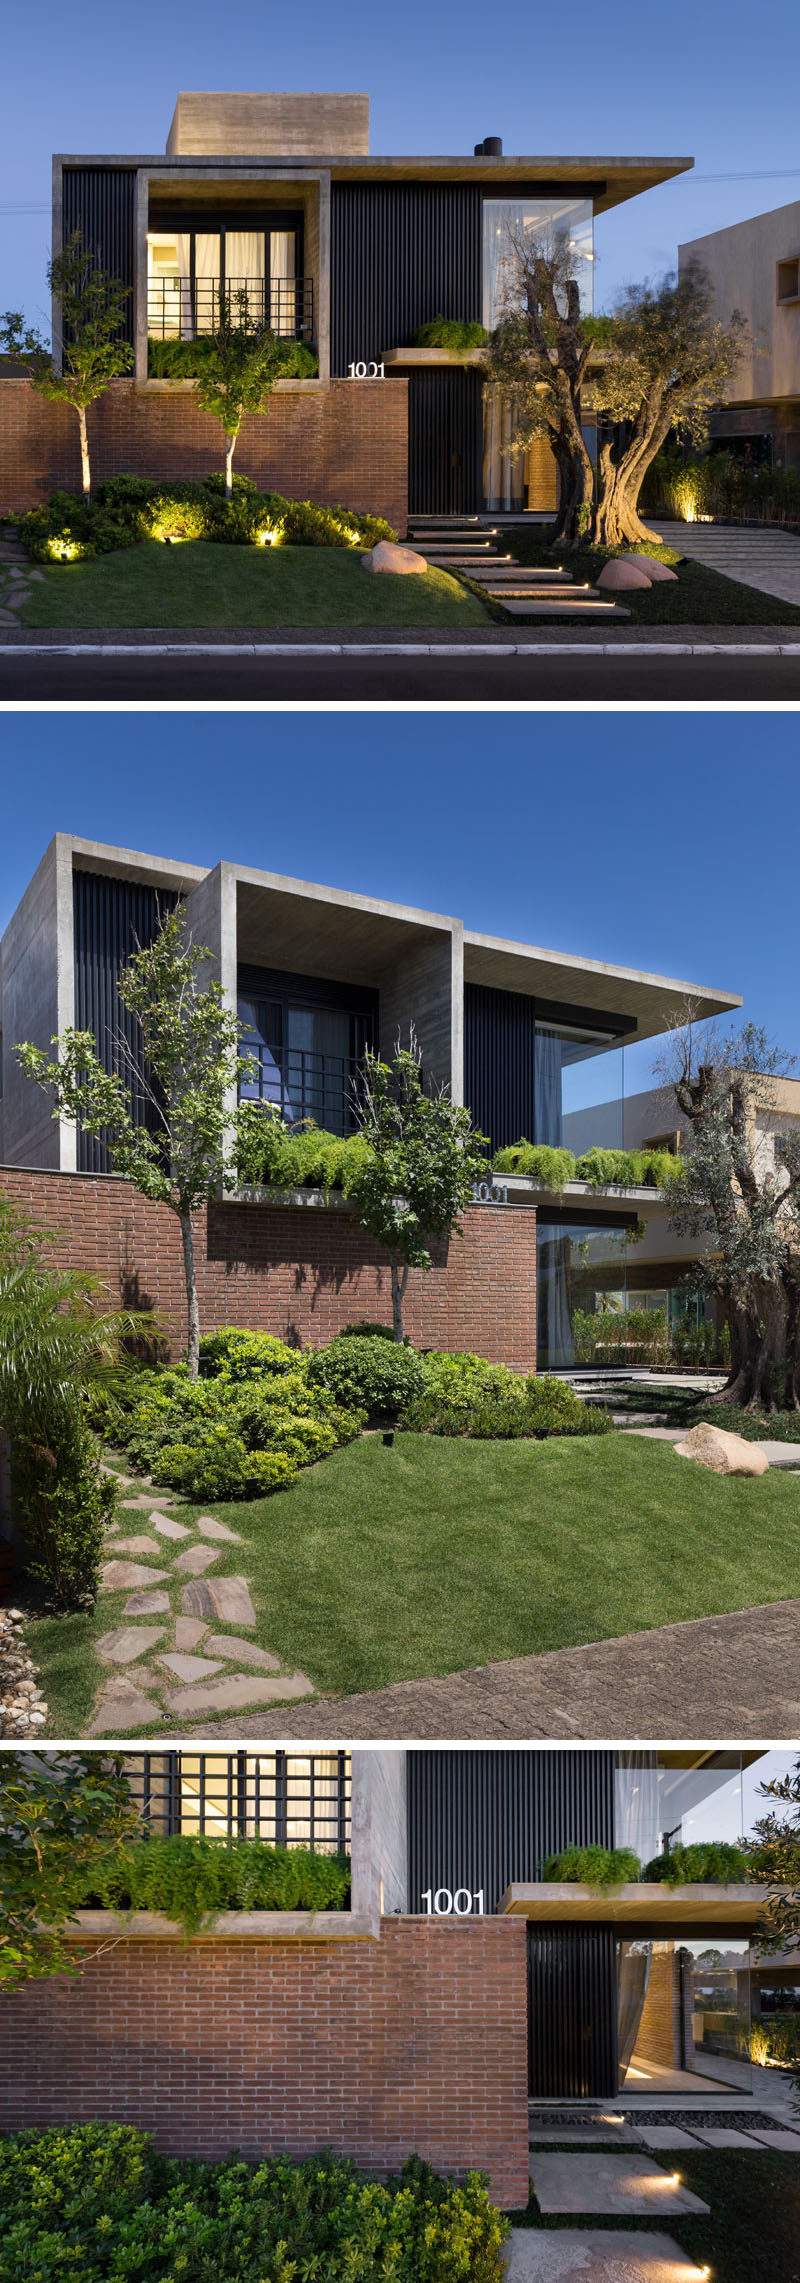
(617, 519)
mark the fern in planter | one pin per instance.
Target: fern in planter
(197, 1880)
(711, 1862)
(601, 1868)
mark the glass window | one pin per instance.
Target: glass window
(580, 1087)
(511, 226)
(683, 2021)
(579, 1269)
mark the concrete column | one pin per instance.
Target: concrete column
(141, 218)
(211, 915)
(323, 283)
(379, 1832)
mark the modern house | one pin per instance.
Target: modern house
(754, 266)
(462, 1984)
(530, 1039)
(276, 197)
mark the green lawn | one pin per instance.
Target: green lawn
(682, 1408)
(753, 2232)
(199, 584)
(385, 1564)
(701, 597)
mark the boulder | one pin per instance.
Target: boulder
(656, 570)
(622, 571)
(725, 1454)
(389, 557)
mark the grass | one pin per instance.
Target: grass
(686, 1410)
(532, 1545)
(753, 2232)
(701, 597)
(199, 584)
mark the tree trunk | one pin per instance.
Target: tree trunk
(230, 447)
(618, 522)
(399, 1282)
(758, 1345)
(192, 1304)
(86, 473)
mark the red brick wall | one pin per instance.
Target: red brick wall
(416, 2042)
(300, 1271)
(343, 445)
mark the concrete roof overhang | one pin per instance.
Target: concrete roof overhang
(132, 864)
(676, 1910)
(307, 929)
(610, 181)
(641, 1002)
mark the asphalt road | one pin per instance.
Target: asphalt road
(443, 680)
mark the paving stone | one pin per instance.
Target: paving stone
(243, 1652)
(585, 2136)
(121, 1707)
(116, 1575)
(780, 2138)
(142, 1500)
(7, 618)
(602, 2255)
(38, 576)
(122, 1479)
(666, 2136)
(629, 2185)
(140, 1545)
(126, 1642)
(189, 1668)
(167, 1527)
(147, 1605)
(195, 1560)
(240, 1689)
(724, 2136)
(188, 1631)
(212, 1529)
(224, 1597)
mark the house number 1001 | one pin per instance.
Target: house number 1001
(441, 1902)
(366, 372)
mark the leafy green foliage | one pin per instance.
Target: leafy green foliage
(239, 1432)
(270, 1156)
(458, 334)
(540, 1162)
(711, 1862)
(91, 349)
(128, 509)
(418, 1172)
(601, 1868)
(603, 1168)
(234, 1355)
(627, 1335)
(98, 2201)
(373, 1374)
(63, 1819)
(463, 1395)
(185, 360)
(723, 485)
(194, 1880)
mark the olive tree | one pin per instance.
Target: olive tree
(417, 1175)
(88, 350)
(242, 360)
(536, 361)
(184, 1067)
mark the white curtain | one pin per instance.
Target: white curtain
(206, 276)
(244, 270)
(183, 251)
(282, 270)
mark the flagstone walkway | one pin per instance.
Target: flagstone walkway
(17, 575)
(604, 2255)
(178, 1664)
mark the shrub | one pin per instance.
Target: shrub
(234, 1434)
(539, 1161)
(245, 1355)
(378, 1375)
(270, 1156)
(184, 360)
(128, 509)
(599, 1867)
(459, 334)
(195, 1880)
(713, 1862)
(629, 1335)
(629, 1168)
(775, 2041)
(66, 1504)
(463, 1395)
(366, 1330)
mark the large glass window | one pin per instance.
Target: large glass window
(579, 1270)
(683, 2018)
(189, 270)
(308, 1057)
(579, 1073)
(511, 228)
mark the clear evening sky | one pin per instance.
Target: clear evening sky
(658, 842)
(719, 85)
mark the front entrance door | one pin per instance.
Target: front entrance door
(572, 2013)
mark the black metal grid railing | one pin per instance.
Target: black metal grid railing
(289, 1799)
(183, 309)
(302, 1084)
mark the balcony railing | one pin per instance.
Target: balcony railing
(178, 310)
(292, 1800)
(302, 1084)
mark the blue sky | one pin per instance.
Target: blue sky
(719, 85)
(653, 841)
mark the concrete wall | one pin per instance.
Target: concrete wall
(37, 1000)
(379, 1832)
(741, 263)
(269, 125)
(424, 987)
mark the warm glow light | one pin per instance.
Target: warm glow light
(62, 550)
(266, 537)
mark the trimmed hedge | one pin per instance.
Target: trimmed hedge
(376, 1375)
(129, 509)
(99, 2202)
(195, 1880)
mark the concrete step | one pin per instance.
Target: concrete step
(558, 606)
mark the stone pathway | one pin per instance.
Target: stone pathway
(604, 2255)
(17, 575)
(624, 2186)
(181, 1666)
(754, 555)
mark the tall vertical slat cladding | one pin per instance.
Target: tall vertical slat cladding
(478, 1820)
(499, 1038)
(100, 201)
(401, 254)
(112, 917)
(572, 2012)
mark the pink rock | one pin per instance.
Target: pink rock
(387, 557)
(622, 571)
(655, 569)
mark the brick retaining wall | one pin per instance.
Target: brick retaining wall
(342, 445)
(299, 1271)
(415, 2042)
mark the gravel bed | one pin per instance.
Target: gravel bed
(23, 1711)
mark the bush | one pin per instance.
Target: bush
(245, 1355)
(723, 485)
(195, 1880)
(65, 1504)
(775, 2041)
(458, 334)
(184, 360)
(603, 1168)
(711, 1862)
(463, 1395)
(236, 1433)
(99, 2202)
(129, 509)
(381, 1376)
(624, 1335)
(599, 1867)
(553, 1167)
(270, 1156)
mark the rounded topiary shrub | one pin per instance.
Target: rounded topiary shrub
(377, 1375)
(246, 1355)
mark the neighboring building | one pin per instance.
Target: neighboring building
(521, 1034)
(278, 196)
(461, 1984)
(754, 266)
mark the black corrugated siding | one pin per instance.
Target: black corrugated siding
(499, 1038)
(401, 253)
(480, 1819)
(572, 2012)
(445, 442)
(100, 201)
(112, 917)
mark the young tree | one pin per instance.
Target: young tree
(89, 350)
(418, 1175)
(537, 361)
(62, 1817)
(745, 1200)
(187, 1065)
(659, 364)
(242, 362)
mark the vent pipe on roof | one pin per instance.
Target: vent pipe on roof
(490, 148)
